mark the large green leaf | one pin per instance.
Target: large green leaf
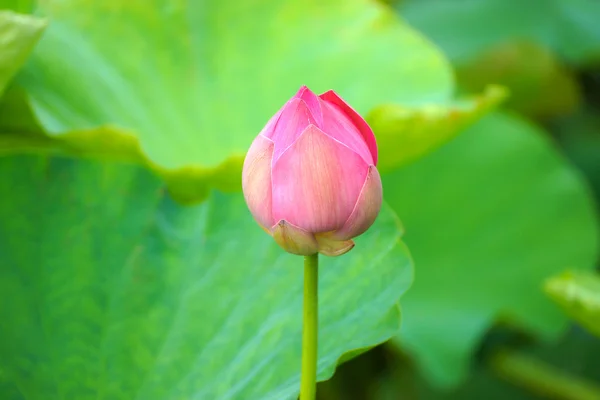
(195, 82)
(18, 34)
(488, 217)
(116, 292)
(415, 130)
(578, 293)
(463, 29)
(407, 133)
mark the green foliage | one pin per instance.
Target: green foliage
(568, 28)
(488, 218)
(539, 84)
(191, 121)
(568, 370)
(521, 45)
(18, 35)
(546, 380)
(407, 133)
(195, 83)
(117, 292)
(578, 293)
(114, 289)
(579, 136)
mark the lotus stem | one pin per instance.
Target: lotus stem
(308, 379)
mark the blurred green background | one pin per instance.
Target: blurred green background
(131, 268)
(547, 53)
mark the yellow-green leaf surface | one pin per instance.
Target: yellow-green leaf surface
(578, 294)
(18, 35)
(488, 217)
(114, 291)
(404, 134)
(194, 82)
(407, 133)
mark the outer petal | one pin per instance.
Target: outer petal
(331, 247)
(313, 103)
(294, 119)
(267, 131)
(361, 125)
(293, 239)
(366, 209)
(256, 180)
(316, 182)
(337, 125)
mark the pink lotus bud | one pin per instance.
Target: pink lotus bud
(309, 177)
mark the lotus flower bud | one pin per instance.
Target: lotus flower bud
(310, 178)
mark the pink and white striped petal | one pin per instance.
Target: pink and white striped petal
(256, 180)
(316, 182)
(294, 239)
(366, 209)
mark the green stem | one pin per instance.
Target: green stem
(308, 381)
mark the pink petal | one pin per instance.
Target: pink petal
(359, 123)
(267, 131)
(293, 239)
(312, 102)
(337, 125)
(316, 182)
(367, 207)
(331, 247)
(256, 180)
(294, 119)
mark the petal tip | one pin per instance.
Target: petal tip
(359, 122)
(301, 92)
(327, 94)
(311, 100)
